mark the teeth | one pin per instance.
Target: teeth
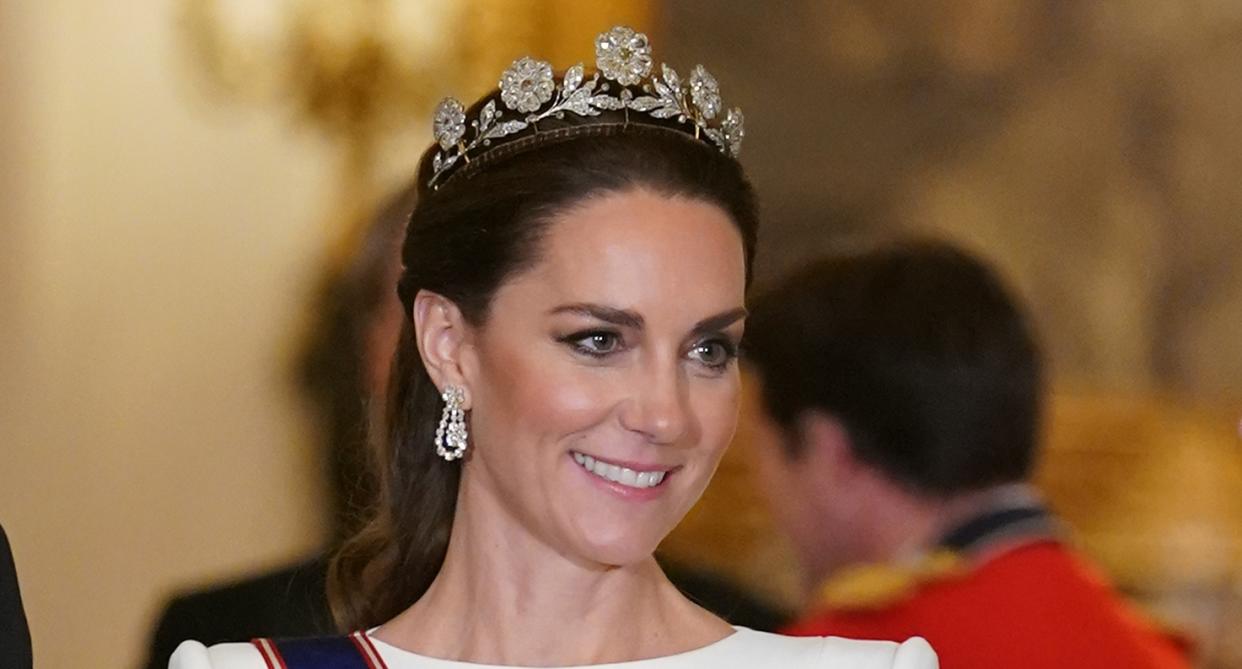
(623, 475)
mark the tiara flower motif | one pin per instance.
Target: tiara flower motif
(450, 123)
(530, 93)
(527, 85)
(623, 55)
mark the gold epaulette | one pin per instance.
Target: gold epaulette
(876, 586)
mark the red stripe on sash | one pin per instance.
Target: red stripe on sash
(368, 650)
(271, 656)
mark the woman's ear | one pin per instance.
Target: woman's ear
(440, 331)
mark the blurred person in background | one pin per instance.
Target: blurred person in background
(897, 414)
(342, 374)
(15, 652)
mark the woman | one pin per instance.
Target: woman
(575, 274)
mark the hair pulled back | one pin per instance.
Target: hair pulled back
(482, 226)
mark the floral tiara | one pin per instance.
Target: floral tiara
(530, 93)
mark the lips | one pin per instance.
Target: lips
(637, 479)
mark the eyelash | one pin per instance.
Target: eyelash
(576, 341)
(728, 348)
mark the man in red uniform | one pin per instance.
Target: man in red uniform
(895, 429)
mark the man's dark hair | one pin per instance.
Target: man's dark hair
(921, 353)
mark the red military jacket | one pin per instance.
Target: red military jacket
(1020, 601)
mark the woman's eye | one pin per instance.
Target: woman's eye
(595, 343)
(714, 354)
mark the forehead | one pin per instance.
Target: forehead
(640, 250)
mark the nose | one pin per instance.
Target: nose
(659, 405)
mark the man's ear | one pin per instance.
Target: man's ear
(826, 445)
(441, 333)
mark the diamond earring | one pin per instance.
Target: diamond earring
(451, 433)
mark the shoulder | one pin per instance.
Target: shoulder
(194, 655)
(766, 649)
(913, 653)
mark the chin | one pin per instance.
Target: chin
(621, 547)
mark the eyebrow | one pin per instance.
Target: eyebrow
(719, 321)
(620, 317)
(629, 319)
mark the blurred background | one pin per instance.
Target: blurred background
(176, 175)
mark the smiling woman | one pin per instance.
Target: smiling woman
(589, 353)
(564, 389)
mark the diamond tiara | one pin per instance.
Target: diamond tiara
(529, 93)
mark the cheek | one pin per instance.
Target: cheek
(716, 408)
(535, 394)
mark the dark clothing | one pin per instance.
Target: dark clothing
(14, 632)
(288, 602)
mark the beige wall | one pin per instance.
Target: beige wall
(155, 247)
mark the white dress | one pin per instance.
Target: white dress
(743, 649)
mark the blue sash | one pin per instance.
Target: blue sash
(331, 652)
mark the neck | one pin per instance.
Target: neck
(506, 597)
(914, 525)
(894, 526)
(902, 529)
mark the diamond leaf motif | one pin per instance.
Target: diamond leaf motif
(582, 107)
(607, 102)
(487, 115)
(645, 103)
(448, 161)
(506, 128)
(576, 102)
(667, 111)
(573, 77)
(671, 79)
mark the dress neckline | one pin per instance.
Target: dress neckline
(403, 656)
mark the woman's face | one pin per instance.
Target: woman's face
(604, 385)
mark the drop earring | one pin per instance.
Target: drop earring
(451, 434)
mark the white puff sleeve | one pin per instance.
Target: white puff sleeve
(194, 655)
(915, 653)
